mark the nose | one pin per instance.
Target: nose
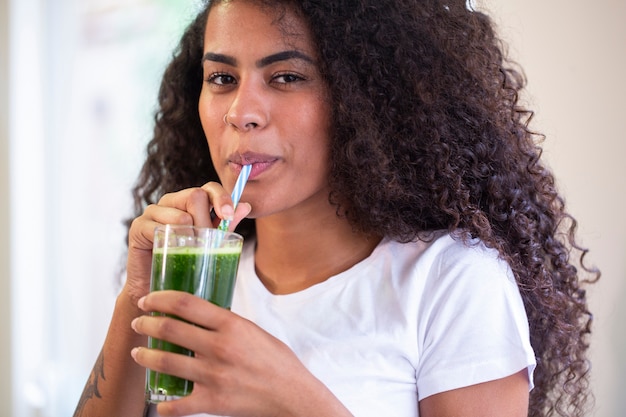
(248, 109)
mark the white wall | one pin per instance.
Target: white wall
(574, 55)
(27, 203)
(5, 287)
(83, 79)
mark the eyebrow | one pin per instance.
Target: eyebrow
(263, 62)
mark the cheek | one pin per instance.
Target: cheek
(315, 143)
(204, 118)
(320, 127)
(210, 126)
(210, 120)
(206, 115)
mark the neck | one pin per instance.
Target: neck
(292, 255)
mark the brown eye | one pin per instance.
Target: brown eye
(220, 78)
(287, 78)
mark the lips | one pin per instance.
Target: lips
(260, 162)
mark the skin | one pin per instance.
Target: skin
(501, 397)
(268, 86)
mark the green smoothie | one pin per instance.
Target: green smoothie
(209, 275)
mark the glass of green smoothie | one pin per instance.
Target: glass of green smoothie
(200, 261)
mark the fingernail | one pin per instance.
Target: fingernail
(133, 324)
(228, 212)
(133, 352)
(141, 301)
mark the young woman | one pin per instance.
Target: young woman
(406, 251)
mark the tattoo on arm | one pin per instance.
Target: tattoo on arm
(91, 388)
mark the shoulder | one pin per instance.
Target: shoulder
(472, 324)
(441, 267)
(450, 259)
(465, 276)
(441, 256)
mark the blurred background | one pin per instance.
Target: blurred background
(78, 86)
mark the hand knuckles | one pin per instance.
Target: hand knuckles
(165, 198)
(181, 217)
(150, 208)
(135, 223)
(162, 361)
(196, 195)
(232, 325)
(211, 186)
(217, 376)
(181, 303)
(221, 353)
(164, 327)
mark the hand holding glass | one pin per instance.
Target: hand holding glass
(200, 261)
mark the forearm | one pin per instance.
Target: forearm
(116, 384)
(322, 404)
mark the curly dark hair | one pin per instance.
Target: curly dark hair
(428, 134)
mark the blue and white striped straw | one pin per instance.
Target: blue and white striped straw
(236, 194)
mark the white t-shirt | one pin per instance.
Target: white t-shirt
(410, 321)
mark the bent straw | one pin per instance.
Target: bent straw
(236, 194)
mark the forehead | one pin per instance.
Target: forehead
(231, 21)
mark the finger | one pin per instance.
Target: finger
(186, 406)
(162, 327)
(181, 407)
(139, 261)
(222, 202)
(175, 332)
(172, 330)
(141, 233)
(186, 306)
(142, 227)
(194, 201)
(191, 405)
(165, 362)
(242, 211)
(186, 367)
(162, 213)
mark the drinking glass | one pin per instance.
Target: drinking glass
(197, 260)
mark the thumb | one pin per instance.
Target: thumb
(242, 210)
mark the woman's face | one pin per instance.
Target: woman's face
(260, 73)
